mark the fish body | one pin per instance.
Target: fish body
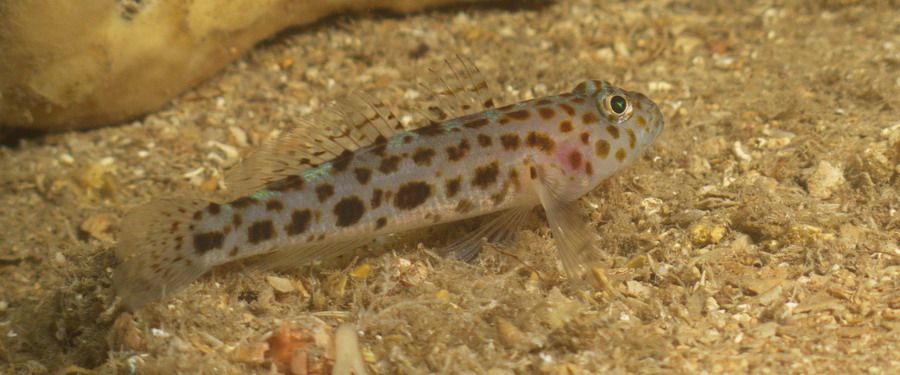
(548, 151)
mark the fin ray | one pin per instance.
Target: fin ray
(155, 259)
(456, 89)
(288, 257)
(501, 229)
(352, 123)
(574, 240)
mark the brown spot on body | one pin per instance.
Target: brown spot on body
(569, 110)
(498, 197)
(292, 182)
(565, 126)
(453, 186)
(504, 120)
(540, 140)
(589, 118)
(455, 153)
(376, 198)
(380, 223)
(620, 154)
(510, 141)
(464, 206)
(379, 148)
(412, 194)
(362, 175)
(601, 148)
(274, 205)
(588, 168)
(348, 211)
(430, 130)
(236, 220)
(198, 215)
(204, 242)
(575, 159)
(234, 251)
(632, 139)
(407, 139)
(613, 131)
(522, 114)
(260, 231)
(532, 172)
(585, 137)
(484, 140)
(423, 156)
(299, 222)
(641, 121)
(546, 113)
(243, 202)
(389, 164)
(578, 100)
(214, 208)
(486, 175)
(477, 123)
(342, 161)
(324, 191)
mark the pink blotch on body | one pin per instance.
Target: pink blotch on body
(571, 156)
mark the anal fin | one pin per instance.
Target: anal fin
(299, 255)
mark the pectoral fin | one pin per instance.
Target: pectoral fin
(574, 239)
(501, 229)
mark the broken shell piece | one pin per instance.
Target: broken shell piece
(347, 356)
(280, 284)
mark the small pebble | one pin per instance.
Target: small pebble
(824, 180)
(280, 284)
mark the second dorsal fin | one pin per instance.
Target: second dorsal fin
(355, 122)
(455, 89)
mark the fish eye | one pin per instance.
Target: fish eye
(617, 107)
(618, 104)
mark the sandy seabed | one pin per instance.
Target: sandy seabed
(759, 234)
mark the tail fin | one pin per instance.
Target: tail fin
(156, 251)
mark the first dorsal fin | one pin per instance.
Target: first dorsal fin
(456, 89)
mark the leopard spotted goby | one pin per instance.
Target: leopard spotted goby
(338, 181)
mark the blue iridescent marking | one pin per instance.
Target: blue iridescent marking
(313, 174)
(450, 126)
(263, 195)
(397, 140)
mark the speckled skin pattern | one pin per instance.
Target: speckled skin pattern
(460, 168)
